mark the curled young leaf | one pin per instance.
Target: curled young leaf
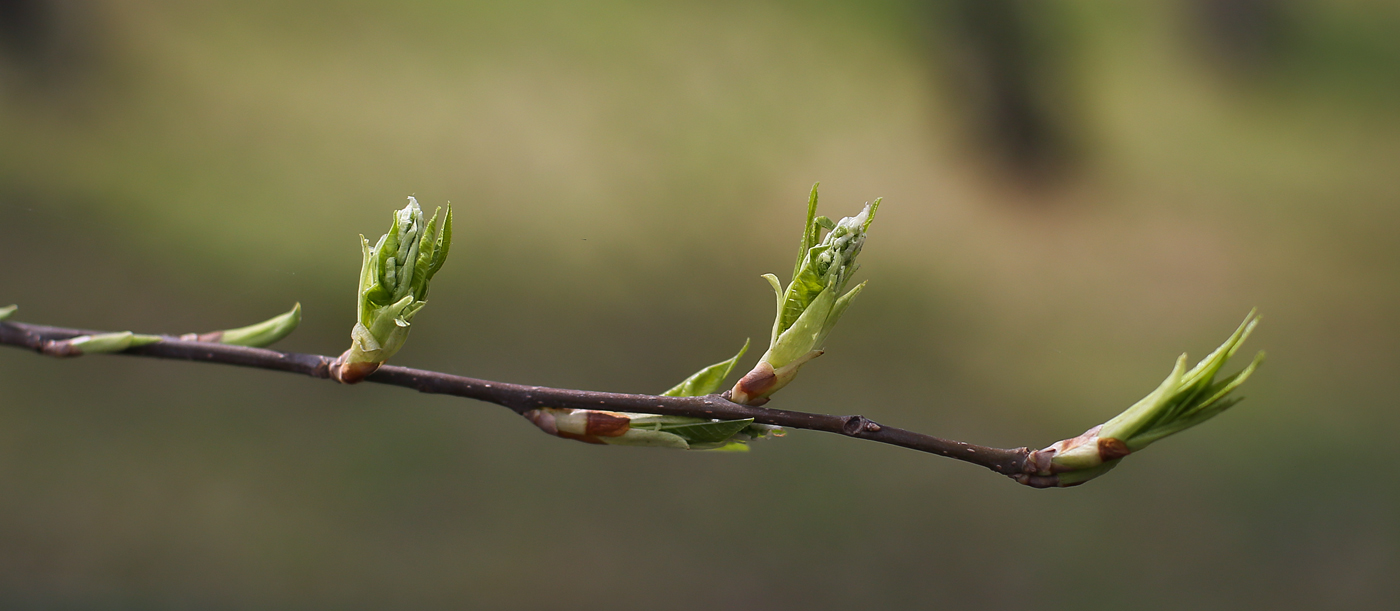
(256, 335)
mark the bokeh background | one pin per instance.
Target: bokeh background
(1075, 192)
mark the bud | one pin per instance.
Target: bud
(103, 343)
(257, 335)
(394, 280)
(649, 430)
(812, 303)
(1185, 399)
(6, 311)
(656, 431)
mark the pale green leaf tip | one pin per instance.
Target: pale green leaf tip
(772, 281)
(6, 311)
(266, 332)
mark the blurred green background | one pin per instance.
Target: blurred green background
(1075, 192)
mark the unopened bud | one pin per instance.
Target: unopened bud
(103, 343)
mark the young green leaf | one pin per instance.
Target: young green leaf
(707, 380)
(261, 334)
(702, 431)
(647, 438)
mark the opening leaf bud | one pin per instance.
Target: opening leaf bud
(656, 431)
(812, 303)
(649, 430)
(1185, 399)
(394, 279)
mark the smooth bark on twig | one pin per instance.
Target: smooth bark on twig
(521, 398)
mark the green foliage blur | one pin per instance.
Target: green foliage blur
(1074, 194)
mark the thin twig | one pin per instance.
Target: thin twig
(521, 398)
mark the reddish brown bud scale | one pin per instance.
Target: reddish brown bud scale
(606, 424)
(1110, 448)
(760, 379)
(352, 373)
(751, 388)
(596, 424)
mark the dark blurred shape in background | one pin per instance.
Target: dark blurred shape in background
(43, 43)
(1246, 37)
(1006, 63)
(26, 29)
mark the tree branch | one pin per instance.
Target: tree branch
(522, 398)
